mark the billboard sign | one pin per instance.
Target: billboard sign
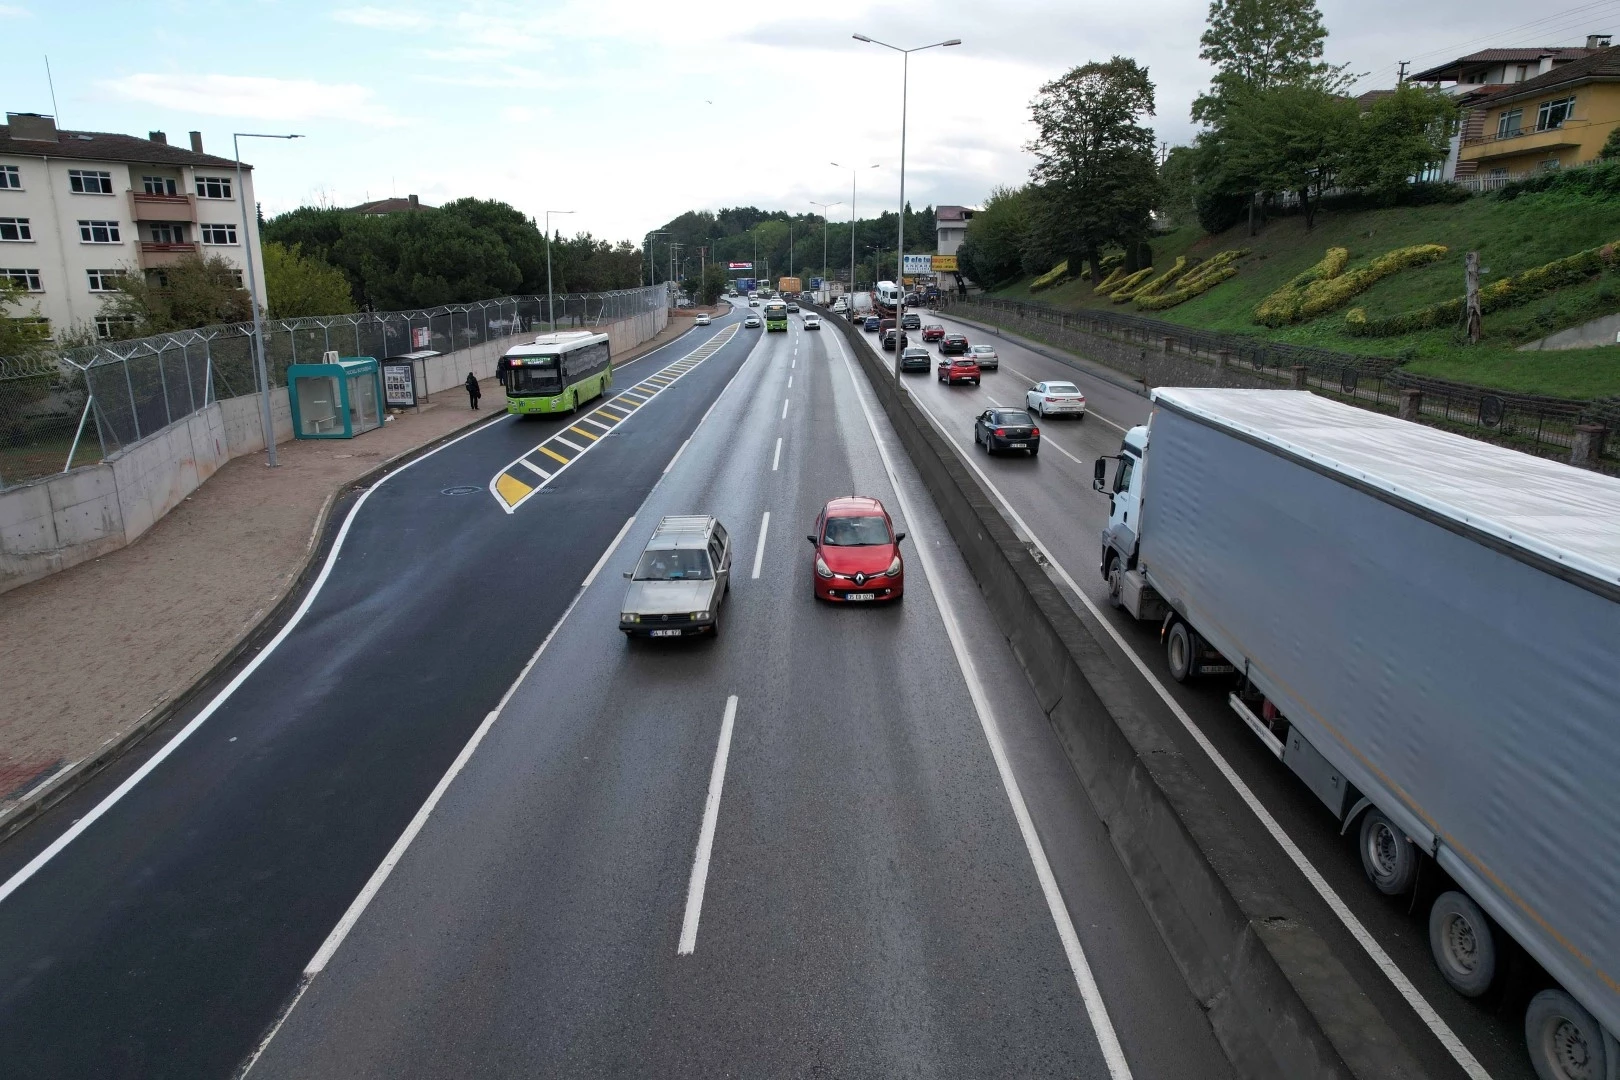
(399, 383)
(944, 264)
(740, 266)
(918, 264)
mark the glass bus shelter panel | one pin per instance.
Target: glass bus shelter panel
(364, 410)
(318, 405)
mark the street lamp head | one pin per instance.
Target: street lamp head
(863, 37)
(953, 41)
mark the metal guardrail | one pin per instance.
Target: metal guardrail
(61, 408)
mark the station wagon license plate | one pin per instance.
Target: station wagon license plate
(860, 596)
(666, 633)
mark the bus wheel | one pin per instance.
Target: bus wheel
(1564, 1040)
(1463, 944)
(1387, 856)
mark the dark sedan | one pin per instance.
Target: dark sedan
(912, 320)
(916, 359)
(893, 338)
(1007, 429)
(953, 345)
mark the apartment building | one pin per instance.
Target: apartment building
(950, 227)
(79, 208)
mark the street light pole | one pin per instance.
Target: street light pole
(261, 369)
(900, 257)
(652, 267)
(853, 173)
(825, 206)
(551, 310)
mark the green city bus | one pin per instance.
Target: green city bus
(556, 373)
(775, 315)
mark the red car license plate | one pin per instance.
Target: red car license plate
(860, 596)
(666, 633)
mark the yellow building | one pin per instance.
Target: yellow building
(1555, 120)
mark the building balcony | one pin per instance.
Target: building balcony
(1517, 142)
(155, 253)
(144, 207)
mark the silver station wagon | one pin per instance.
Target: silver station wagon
(681, 579)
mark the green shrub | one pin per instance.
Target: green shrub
(1127, 287)
(1109, 283)
(1051, 277)
(1282, 306)
(1195, 282)
(1601, 180)
(1157, 284)
(1323, 296)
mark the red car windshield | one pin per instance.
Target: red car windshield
(855, 532)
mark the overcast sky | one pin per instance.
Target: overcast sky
(630, 111)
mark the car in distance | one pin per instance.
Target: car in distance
(911, 321)
(680, 580)
(793, 306)
(986, 356)
(752, 322)
(1056, 399)
(812, 322)
(916, 359)
(958, 369)
(953, 344)
(933, 332)
(872, 323)
(839, 307)
(701, 320)
(857, 552)
(890, 336)
(753, 302)
(1007, 429)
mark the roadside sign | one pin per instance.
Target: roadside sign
(917, 264)
(740, 266)
(399, 383)
(943, 264)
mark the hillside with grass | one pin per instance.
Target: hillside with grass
(1512, 235)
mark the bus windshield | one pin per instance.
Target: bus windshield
(538, 375)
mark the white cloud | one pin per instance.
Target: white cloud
(11, 11)
(258, 97)
(376, 18)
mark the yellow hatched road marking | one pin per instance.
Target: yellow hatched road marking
(549, 452)
(605, 411)
(511, 489)
(581, 431)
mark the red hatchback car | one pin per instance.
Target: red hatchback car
(857, 552)
(955, 369)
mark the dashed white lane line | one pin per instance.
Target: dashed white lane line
(1420, 1005)
(776, 458)
(784, 408)
(1096, 1009)
(711, 815)
(790, 382)
(759, 548)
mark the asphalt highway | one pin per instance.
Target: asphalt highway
(1053, 498)
(453, 824)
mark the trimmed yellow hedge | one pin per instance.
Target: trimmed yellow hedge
(1500, 294)
(1282, 306)
(1109, 283)
(1153, 287)
(1195, 282)
(1051, 277)
(1127, 287)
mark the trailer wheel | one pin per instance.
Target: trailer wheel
(1387, 856)
(1564, 1040)
(1463, 944)
(1178, 650)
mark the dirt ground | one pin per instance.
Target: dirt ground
(92, 651)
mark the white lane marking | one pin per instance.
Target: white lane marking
(1046, 440)
(532, 467)
(784, 408)
(597, 423)
(571, 445)
(711, 814)
(776, 458)
(329, 947)
(72, 833)
(1096, 1009)
(679, 450)
(790, 382)
(1420, 1005)
(994, 402)
(764, 527)
(795, 361)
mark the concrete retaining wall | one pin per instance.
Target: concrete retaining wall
(1278, 1000)
(59, 521)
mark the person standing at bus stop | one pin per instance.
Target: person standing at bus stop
(473, 392)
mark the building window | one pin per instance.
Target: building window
(104, 280)
(168, 232)
(159, 185)
(213, 187)
(99, 232)
(112, 326)
(219, 234)
(1520, 72)
(1552, 114)
(85, 182)
(236, 276)
(26, 279)
(16, 229)
(10, 178)
(1507, 125)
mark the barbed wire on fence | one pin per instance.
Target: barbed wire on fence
(63, 407)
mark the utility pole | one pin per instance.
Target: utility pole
(1401, 76)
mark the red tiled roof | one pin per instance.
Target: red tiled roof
(1599, 64)
(1450, 69)
(108, 146)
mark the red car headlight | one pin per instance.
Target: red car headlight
(822, 569)
(894, 568)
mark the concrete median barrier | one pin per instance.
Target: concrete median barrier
(1280, 1003)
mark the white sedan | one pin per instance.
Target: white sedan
(1056, 399)
(702, 320)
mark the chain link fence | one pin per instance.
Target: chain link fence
(1160, 353)
(60, 409)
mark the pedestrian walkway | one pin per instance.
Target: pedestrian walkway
(100, 650)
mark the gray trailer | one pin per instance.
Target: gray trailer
(1426, 629)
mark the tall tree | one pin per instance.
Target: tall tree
(1256, 45)
(1095, 180)
(188, 293)
(1400, 137)
(992, 252)
(1295, 136)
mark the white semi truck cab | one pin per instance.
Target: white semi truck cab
(1426, 630)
